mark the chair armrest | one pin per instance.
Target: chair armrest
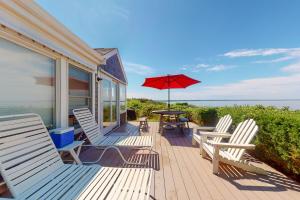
(214, 134)
(231, 145)
(206, 128)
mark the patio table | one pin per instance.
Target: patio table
(70, 148)
(169, 113)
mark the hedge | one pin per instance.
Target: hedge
(278, 139)
(277, 142)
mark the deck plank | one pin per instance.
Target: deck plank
(181, 173)
(160, 191)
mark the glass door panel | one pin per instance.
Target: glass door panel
(106, 114)
(114, 102)
(106, 85)
(109, 99)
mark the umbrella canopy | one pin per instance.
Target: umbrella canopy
(169, 82)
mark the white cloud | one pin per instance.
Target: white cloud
(138, 68)
(283, 54)
(281, 87)
(206, 67)
(294, 68)
(201, 65)
(281, 59)
(218, 68)
(121, 12)
(260, 52)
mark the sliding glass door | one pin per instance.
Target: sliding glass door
(109, 104)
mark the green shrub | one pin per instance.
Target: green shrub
(278, 139)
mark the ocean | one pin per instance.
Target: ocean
(293, 104)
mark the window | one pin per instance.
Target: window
(80, 93)
(122, 95)
(27, 82)
(109, 90)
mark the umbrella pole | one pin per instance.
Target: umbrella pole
(168, 93)
(169, 99)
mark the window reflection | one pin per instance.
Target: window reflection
(80, 95)
(109, 95)
(122, 98)
(27, 82)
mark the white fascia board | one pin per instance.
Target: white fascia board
(27, 18)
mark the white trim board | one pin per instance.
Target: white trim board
(29, 19)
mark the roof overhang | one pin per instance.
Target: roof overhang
(29, 19)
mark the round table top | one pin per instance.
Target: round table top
(168, 112)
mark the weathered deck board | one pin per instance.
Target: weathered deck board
(181, 172)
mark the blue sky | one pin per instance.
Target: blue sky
(238, 49)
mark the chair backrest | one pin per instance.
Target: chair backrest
(223, 126)
(27, 153)
(243, 134)
(88, 124)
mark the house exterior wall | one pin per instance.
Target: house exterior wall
(28, 25)
(113, 67)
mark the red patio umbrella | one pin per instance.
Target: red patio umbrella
(170, 82)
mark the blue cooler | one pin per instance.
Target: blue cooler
(62, 136)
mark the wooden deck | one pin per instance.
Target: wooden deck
(181, 173)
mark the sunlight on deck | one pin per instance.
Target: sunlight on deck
(181, 173)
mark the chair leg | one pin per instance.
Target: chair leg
(194, 142)
(75, 156)
(216, 160)
(202, 151)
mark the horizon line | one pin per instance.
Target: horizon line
(230, 100)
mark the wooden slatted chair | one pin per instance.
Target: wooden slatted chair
(221, 128)
(92, 131)
(32, 168)
(232, 152)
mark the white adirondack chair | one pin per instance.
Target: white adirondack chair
(232, 152)
(221, 128)
(92, 131)
(32, 168)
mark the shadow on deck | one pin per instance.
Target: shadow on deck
(181, 173)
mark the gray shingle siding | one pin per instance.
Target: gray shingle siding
(113, 67)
